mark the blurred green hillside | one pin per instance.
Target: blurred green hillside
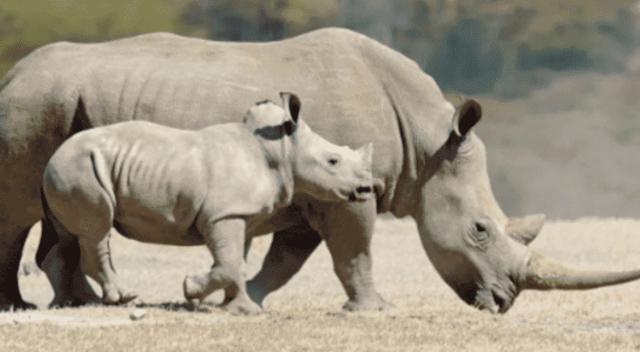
(497, 47)
(28, 24)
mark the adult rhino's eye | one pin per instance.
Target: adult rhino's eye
(481, 232)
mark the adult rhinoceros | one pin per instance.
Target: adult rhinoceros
(428, 163)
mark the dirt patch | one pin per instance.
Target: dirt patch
(61, 319)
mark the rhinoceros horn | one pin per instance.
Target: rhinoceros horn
(543, 273)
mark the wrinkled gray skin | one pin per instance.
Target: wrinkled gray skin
(164, 185)
(428, 163)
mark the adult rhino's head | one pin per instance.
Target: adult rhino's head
(481, 253)
(320, 169)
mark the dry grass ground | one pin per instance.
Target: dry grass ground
(306, 315)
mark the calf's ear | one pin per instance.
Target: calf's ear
(467, 115)
(291, 104)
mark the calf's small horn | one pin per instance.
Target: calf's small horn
(543, 273)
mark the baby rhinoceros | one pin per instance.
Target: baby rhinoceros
(164, 185)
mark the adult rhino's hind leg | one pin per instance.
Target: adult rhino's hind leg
(32, 126)
(59, 257)
(11, 245)
(289, 250)
(347, 229)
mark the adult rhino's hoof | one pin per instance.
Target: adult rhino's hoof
(242, 306)
(256, 292)
(367, 305)
(71, 302)
(17, 305)
(83, 298)
(194, 303)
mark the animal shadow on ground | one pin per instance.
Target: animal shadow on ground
(204, 307)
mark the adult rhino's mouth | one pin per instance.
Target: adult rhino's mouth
(493, 300)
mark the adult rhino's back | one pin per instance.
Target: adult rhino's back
(191, 83)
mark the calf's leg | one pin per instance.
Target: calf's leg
(225, 239)
(96, 262)
(231, 291)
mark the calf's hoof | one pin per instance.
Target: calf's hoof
(192, 291)
(116, 297)
(376, 303)
(242, 306)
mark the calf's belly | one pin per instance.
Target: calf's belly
(159, 232)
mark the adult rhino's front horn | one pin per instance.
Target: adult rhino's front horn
(543, 273)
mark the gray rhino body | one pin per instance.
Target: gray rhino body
(428, 163)
(164, 185)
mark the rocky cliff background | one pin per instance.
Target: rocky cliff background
(559, 80)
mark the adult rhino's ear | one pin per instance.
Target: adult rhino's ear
(526, 229)
(467, 115)
(291, 104)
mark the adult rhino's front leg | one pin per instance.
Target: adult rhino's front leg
(347, 229)
(289, 250)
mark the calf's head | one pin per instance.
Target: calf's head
(320, 169)
(481, 253)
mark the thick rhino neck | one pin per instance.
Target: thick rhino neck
(424, 119)
(279, 155)
(274, 154)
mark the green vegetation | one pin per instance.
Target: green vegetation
(26, 25)
(245, 20)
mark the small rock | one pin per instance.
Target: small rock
(137, 314)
